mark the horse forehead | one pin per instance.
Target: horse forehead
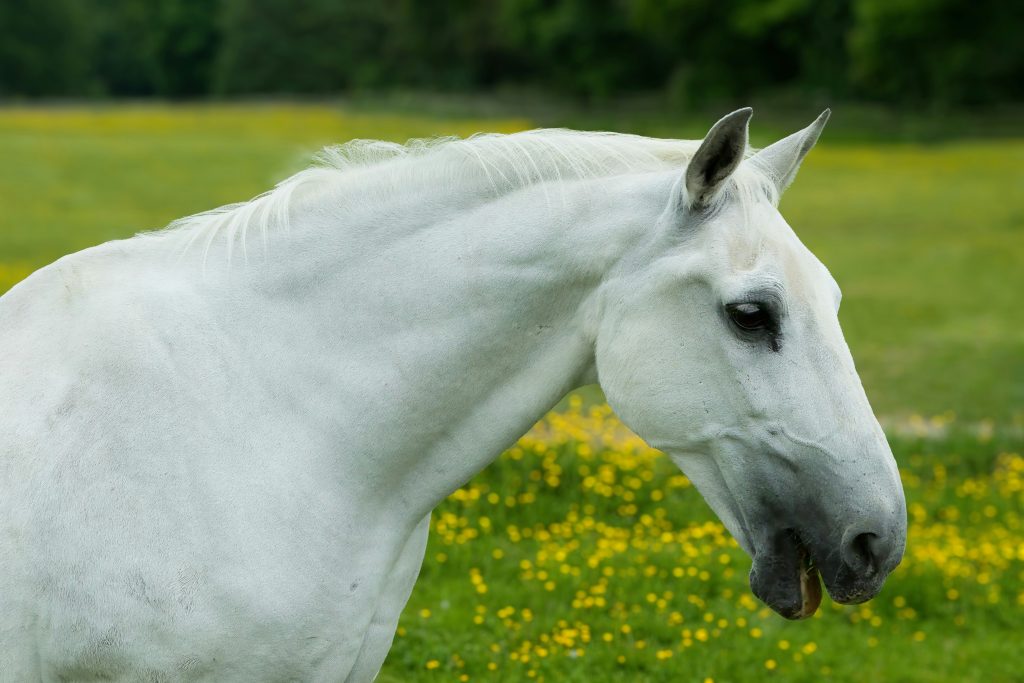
(804, 272)
(768, 246)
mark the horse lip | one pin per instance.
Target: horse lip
(787, 579)
(847, 589)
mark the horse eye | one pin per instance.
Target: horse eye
(750, 317)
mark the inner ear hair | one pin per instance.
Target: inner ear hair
(717, 157)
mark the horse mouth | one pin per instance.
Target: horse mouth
(810, 585)
(787, 579)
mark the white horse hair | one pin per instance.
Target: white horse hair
(220, 443)
(485, 165)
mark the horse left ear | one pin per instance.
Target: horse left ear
(717, 157)
(781, 160)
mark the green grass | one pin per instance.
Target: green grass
(617, 522)
(927, 241)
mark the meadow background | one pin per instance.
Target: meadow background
(582, 555)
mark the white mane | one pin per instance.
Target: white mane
(488, 164)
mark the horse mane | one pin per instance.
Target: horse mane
(487, 163)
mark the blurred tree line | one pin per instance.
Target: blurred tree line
(898, 51)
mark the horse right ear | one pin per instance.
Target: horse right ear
(717, 157)
(782, 159)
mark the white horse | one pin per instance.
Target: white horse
(220, 443)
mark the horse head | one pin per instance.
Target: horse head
(723, 348)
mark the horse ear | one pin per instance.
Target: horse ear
(717, 157)
(781, 160)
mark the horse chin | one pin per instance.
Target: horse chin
(787, 580)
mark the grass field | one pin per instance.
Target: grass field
(584, 556)
(581, 555)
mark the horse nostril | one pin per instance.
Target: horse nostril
(866, 553)
(864, 546)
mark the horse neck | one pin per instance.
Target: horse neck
(447, 327)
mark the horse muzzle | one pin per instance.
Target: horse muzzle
(787, 575)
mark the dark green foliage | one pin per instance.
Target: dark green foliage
(586, 47)
(186, 46)
(326, 46)
(900, 51)
(124, 56)
(43, 45)
(946, 51)
(123, 47)
(309, 47)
